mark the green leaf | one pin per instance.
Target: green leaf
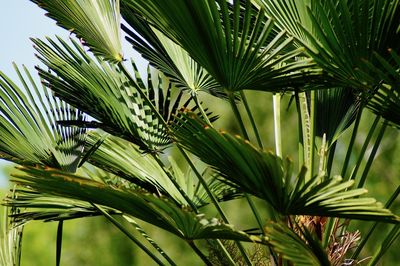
(336, 109)
(167, 56)
(263, 174)
(231, 44)
(303, 249)
(108, 95)
(384, 100)
(95, 21)
(147, 207)
(44, 207)
(29, 130)
(340, 34)
(128, 162)
(10, 238)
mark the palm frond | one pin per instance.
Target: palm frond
(96, 22)
(231, 47)
(167, 56)
(123, 159)
(300, 249)
(29, 130)
(41, 206)
(10, 237)
(196, 192)
(336, 110)
(341, 34)
(265, 175)
(128, 162)
(384, 100)
(147, 207)
(109, 96)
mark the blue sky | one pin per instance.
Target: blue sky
(21, 20)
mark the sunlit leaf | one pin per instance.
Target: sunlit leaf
(29, 133)
(147, 207)
(265, 175)
(306, 251)
(95, 21)
(231, 47)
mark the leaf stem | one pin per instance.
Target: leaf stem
(203, 113)
(364, 148)
(251, 118)
(351, 143)
(199, 253)
(237, 114)
(128, 234)
(214, 201)
(150, 240)
(177, 186)
(372, 154)
(59, 242)
(246, 136)
(276, 99)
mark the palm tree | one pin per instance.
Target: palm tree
(91, 139)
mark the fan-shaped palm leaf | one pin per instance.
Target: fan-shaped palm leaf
(29, 133)
(167, 56)
(335, 109)
(231, 47)
(264, 175)
(341, 34)
(96, 22)
(10, 238)
(306, 251)
(46, 208)
(126, 161)
(108, 95)
(385, 99)
(147, 207)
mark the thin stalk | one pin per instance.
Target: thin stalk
(276, 99)
(351, 143)
(246, 136)
(331, 155)
(178, 187)
(203, 113)
(312, 132)
(204, 184)
(387, 242)
(372, 155)
(150, 240)
(237, 115)
(128, 234)
(372, 229)
(59, 242)
(307, 126)
(328, 231)
(214, 201)
(300, 131)
(364, 147)
(200, 254)
(251, 118)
